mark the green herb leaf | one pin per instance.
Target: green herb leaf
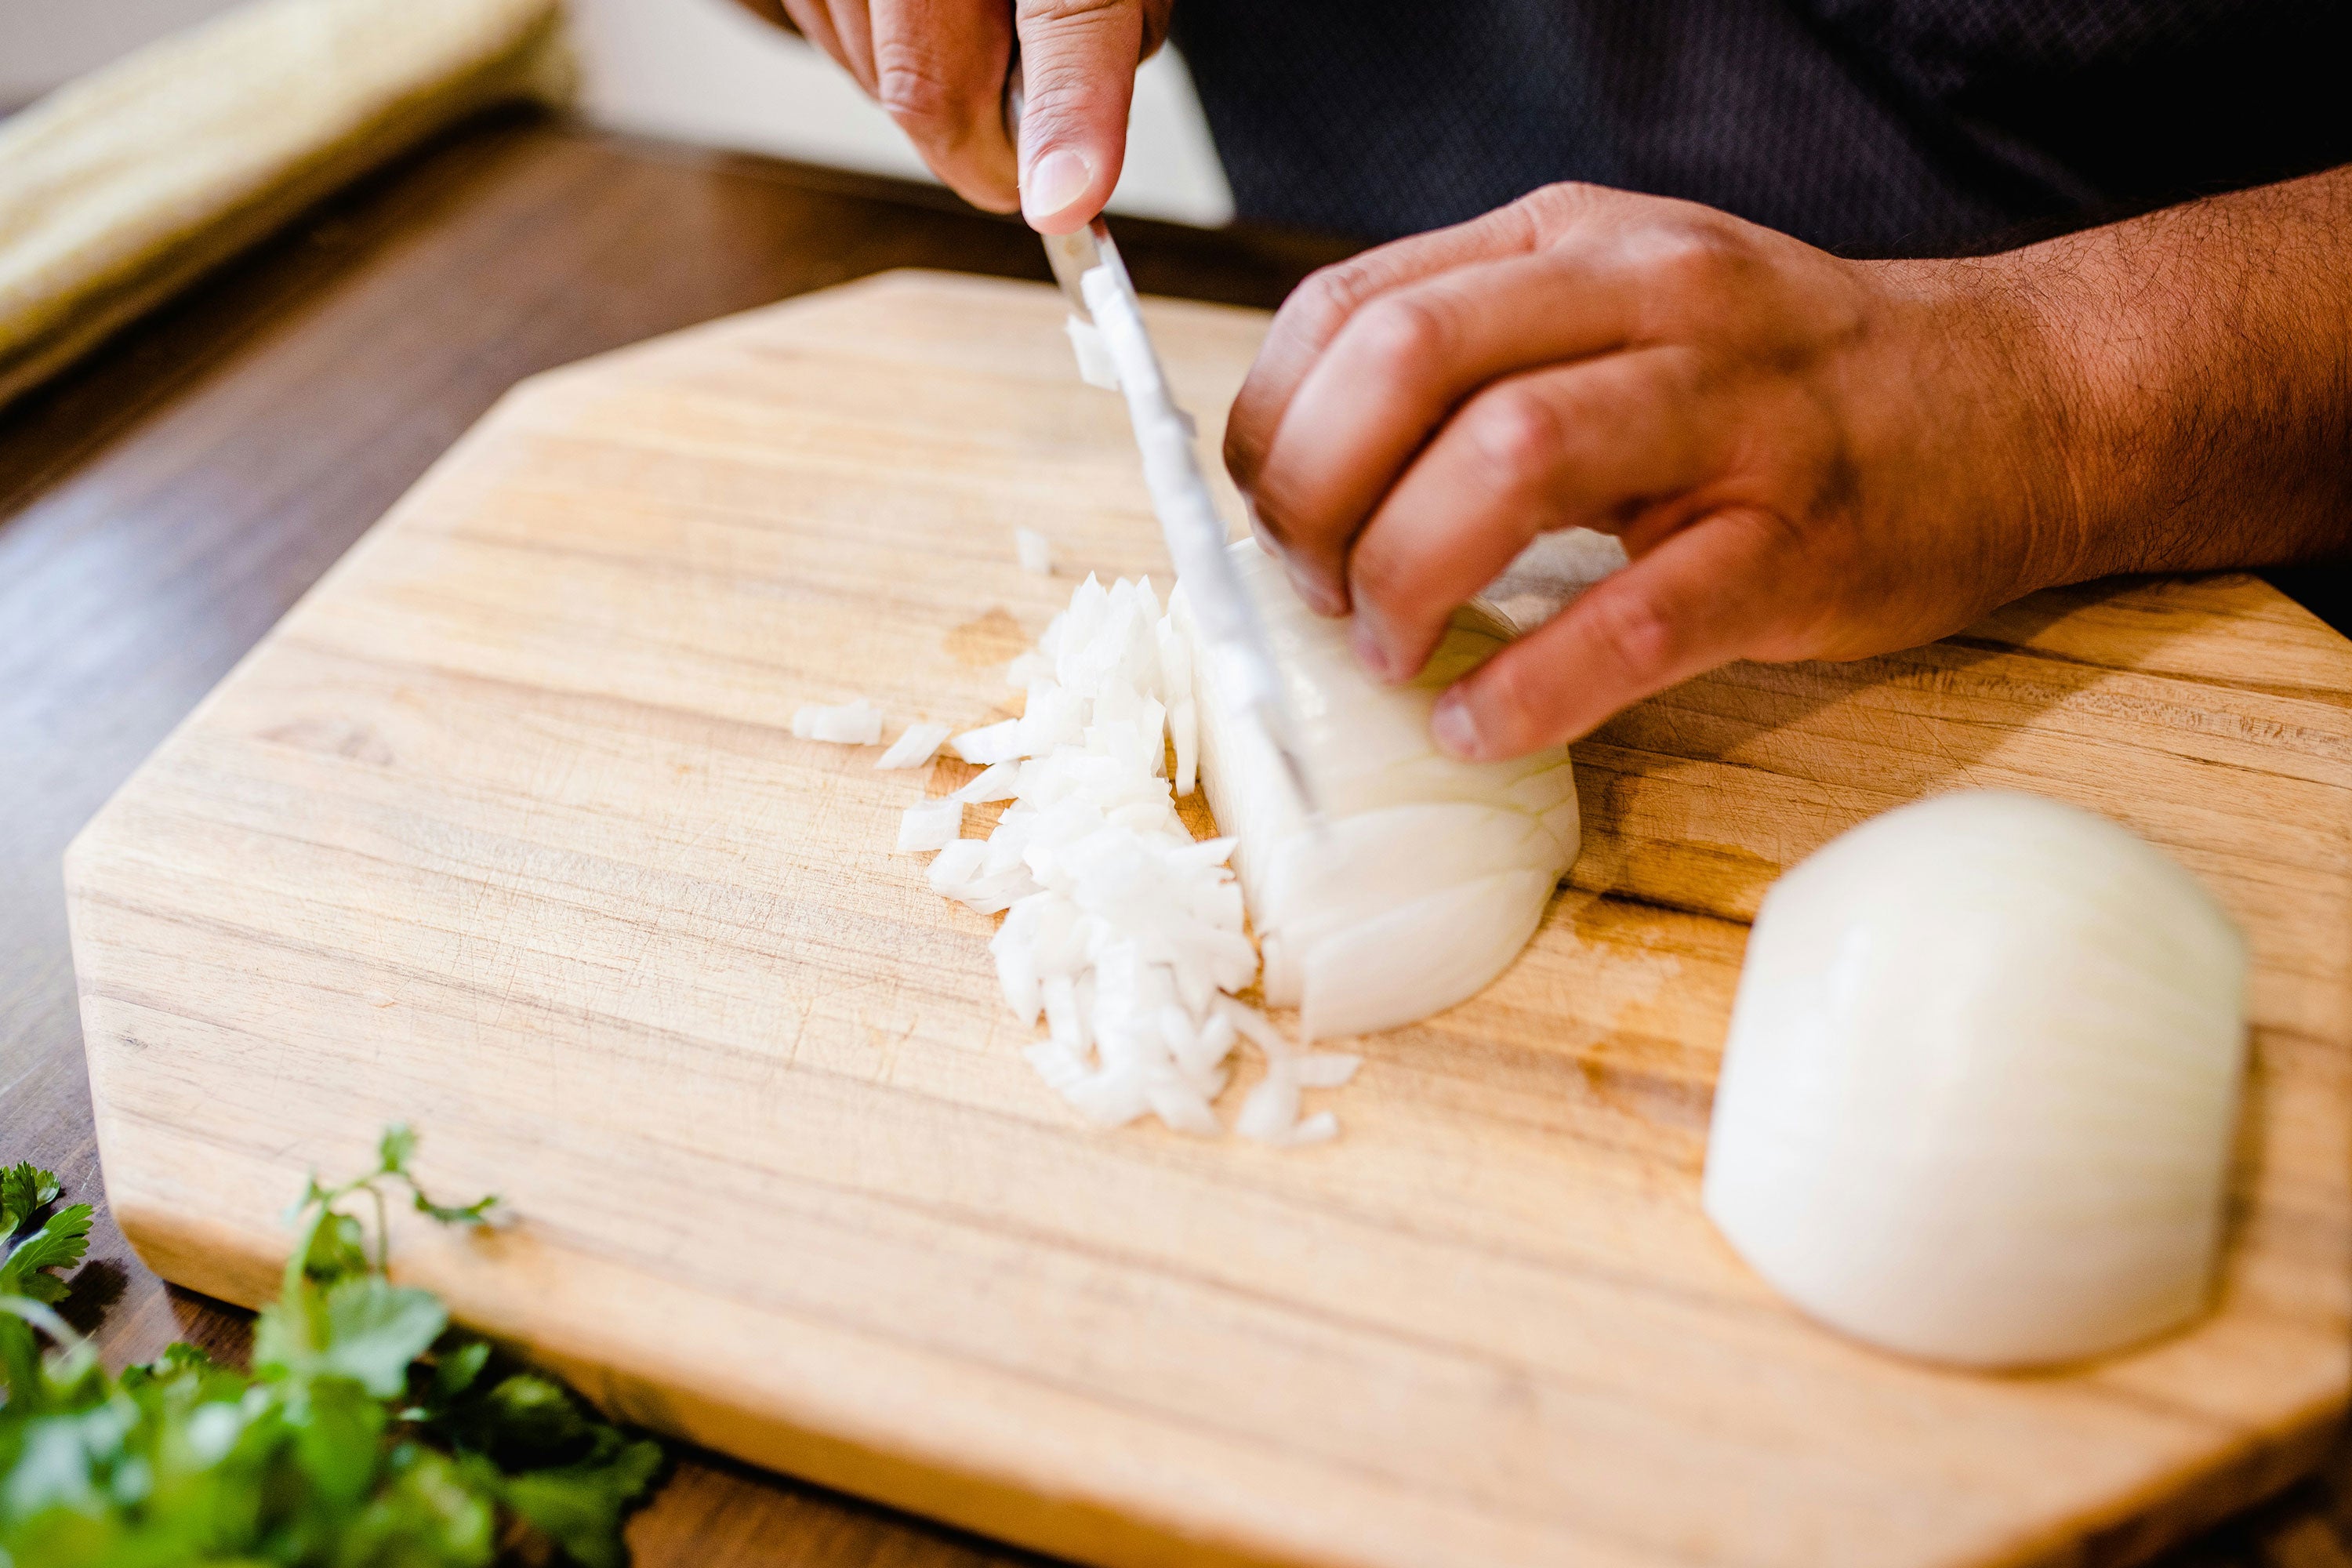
(363, 1328)
(454, 1373)
(179, 1360)
(338, 1437)
(338, 1249)
(526, 1420)
(475, 1213)
(316, 1460)
(428, 1515)
(395, 1149)
(581, 1506)
(58, 1243)
(25, 1190)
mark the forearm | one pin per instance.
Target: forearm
(2192, 372)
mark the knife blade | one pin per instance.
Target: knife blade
(1095, 282)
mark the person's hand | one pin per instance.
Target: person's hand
(1805, 457)
(938, 68)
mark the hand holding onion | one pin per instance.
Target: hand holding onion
(1805, 456)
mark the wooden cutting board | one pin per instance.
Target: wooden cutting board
(503, 833)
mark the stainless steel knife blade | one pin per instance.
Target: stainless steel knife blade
(1094, 280)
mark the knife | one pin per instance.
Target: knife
(1093, 280)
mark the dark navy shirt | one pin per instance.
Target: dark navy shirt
(1872, 127)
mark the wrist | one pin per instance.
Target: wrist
(2000, 406)
(2190, 372)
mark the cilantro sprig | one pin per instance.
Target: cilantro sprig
(368, 1434)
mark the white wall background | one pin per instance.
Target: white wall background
(688, 70)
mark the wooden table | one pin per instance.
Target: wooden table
(161, 506)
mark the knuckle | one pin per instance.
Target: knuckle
(1513, 430)
(916, 96)
(1403, 335)
(1564, 196)
(1328, 295)
(1062, 13)
(1699, 261)
(1054, 118)
(1549, 210)
(923, 92)
(1634, 633)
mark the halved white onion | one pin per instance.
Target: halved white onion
(1981, 1084)
(1427, 875)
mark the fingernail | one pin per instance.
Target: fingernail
(1454, 729)
(1371, 648)
(1055, 180)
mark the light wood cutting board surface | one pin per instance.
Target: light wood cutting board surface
(503, 833)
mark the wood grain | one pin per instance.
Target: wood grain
(501, 831)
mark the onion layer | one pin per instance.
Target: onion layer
(1980, 1086)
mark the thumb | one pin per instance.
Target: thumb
(1077, 64)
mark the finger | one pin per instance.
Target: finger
(939, 68)
(1727, 587)
(1397, 370)
(1317, 309)
(1077, 65)
(1593, 444)
(855, 31)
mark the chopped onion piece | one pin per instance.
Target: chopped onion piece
(930, 826)
(1326, 1069)
(1034, 552)
(996, 781)
(1319, 1128)
(956, 865)
(1124, 935)
(1272, 1109)
(1183, 1108)
(1184, 732)
(854, 723)
(991, 743)
(918, 744)
(1095, 367)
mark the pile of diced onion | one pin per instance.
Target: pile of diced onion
(1120, 929)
